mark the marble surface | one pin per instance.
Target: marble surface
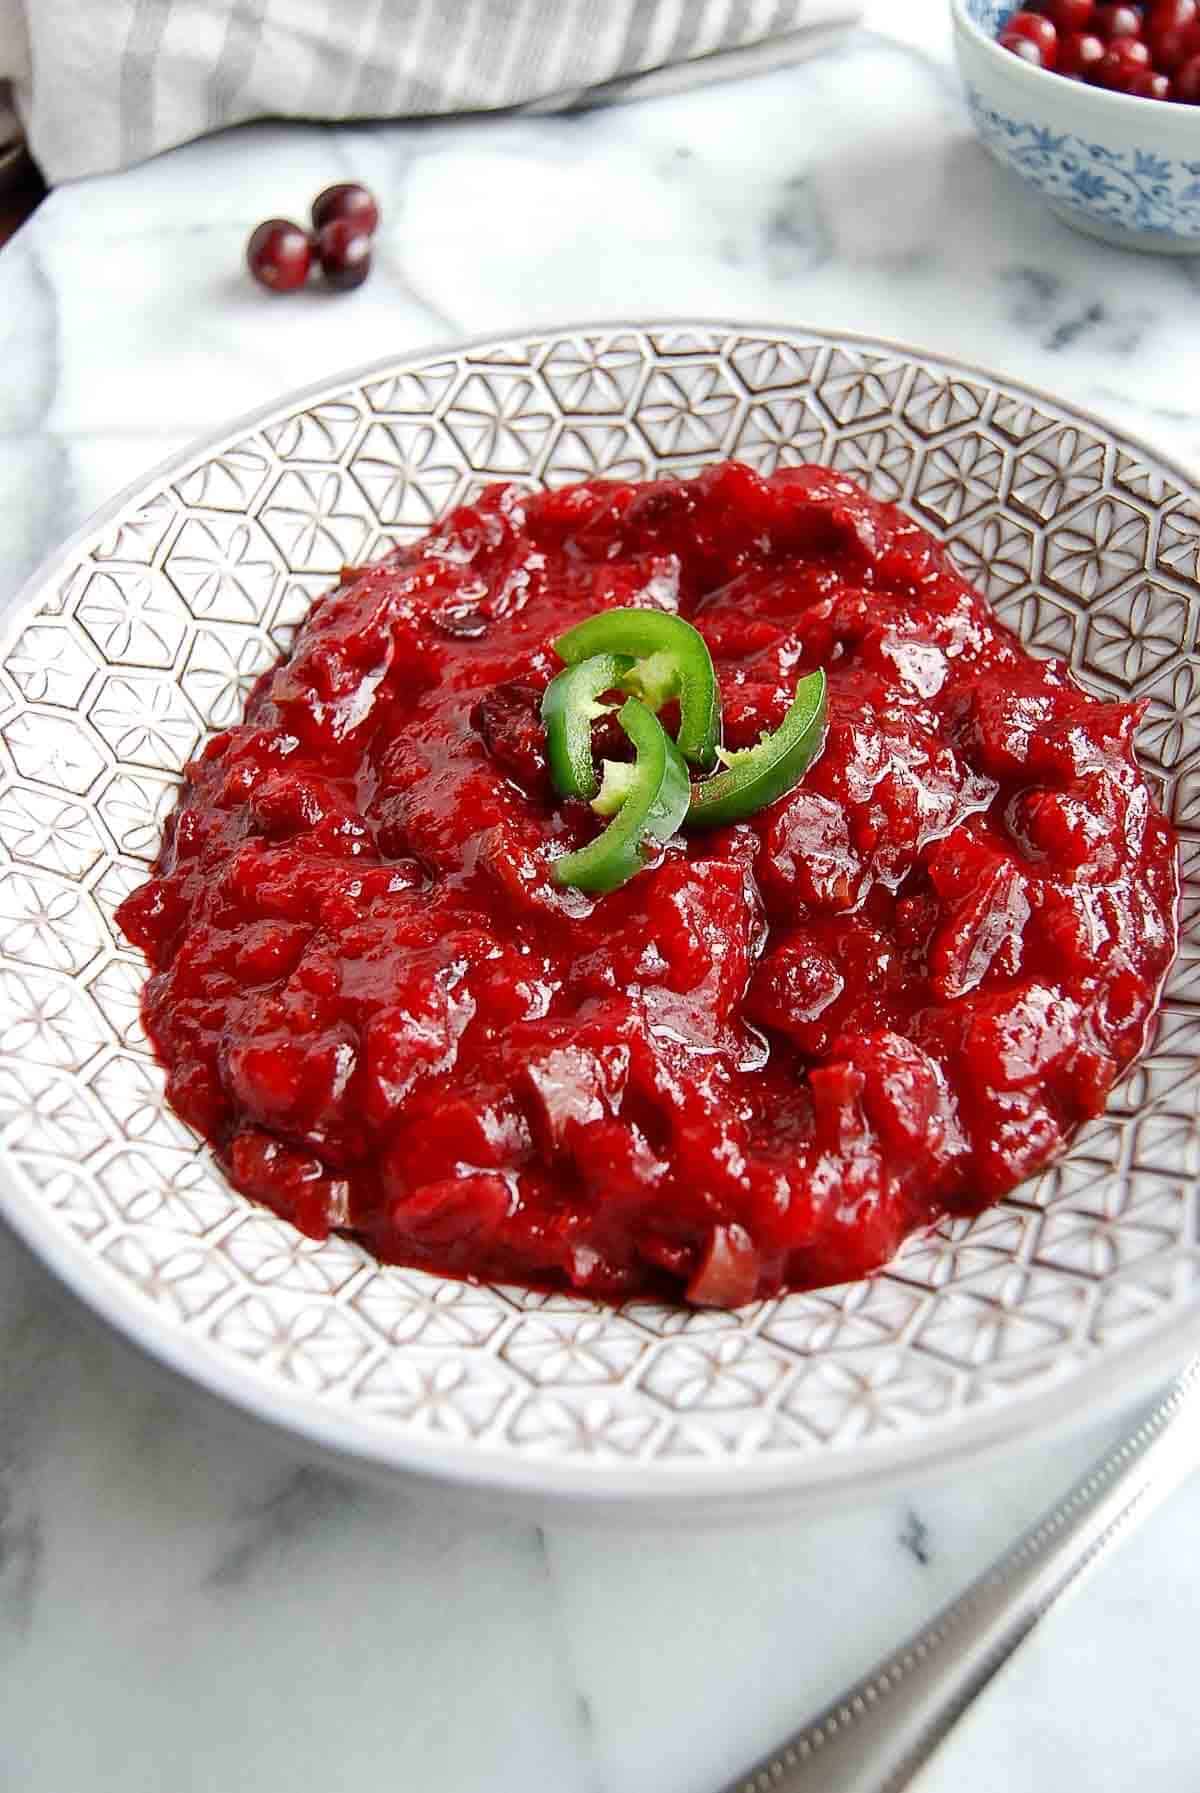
(189, 1602)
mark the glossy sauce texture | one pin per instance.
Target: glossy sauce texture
(894, 993)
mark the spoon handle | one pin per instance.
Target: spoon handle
(881, 1731)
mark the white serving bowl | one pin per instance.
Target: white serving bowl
(1123, 169)
(141, 635)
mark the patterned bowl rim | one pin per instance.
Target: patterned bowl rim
(1100, 99)
(1099, 1385)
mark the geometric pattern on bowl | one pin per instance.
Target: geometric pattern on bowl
(145, 633)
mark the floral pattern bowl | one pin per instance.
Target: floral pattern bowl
(1123, 169)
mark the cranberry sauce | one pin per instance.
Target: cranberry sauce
(894, 993)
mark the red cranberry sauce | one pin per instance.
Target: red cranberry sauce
(895, 992)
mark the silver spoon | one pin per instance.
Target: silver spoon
(882, 1730)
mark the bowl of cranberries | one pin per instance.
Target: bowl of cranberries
(1096, 105)
(281, 254)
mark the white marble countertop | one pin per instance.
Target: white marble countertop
(193, 1605)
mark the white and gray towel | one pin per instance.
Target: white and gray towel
(99, 84)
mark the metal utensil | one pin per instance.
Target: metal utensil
(884, 1728)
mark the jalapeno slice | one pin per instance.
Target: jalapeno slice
(672, 661)
(647, 799)
(757, 775)
(569, 707)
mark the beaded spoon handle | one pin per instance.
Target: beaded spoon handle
(876, 1737)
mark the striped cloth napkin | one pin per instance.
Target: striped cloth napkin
(99, 84)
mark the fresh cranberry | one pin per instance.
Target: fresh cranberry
(1024, 47)
(1070, 15)
(1079, 52)
(1172, 15)
(1121, 64)
(279, 255)
(349, 201)
(1039, 31)
(345, 254)
(1187, 82)
(1173, 33)
(1118, 21)
(1151, 85)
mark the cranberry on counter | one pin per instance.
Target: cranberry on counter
(280, 254)
(1146, 51)
(344, 251)
(350, 202)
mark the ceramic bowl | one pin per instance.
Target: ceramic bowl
(144, 633)
(1122, 169)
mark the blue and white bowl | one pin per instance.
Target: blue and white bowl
(1123, 169)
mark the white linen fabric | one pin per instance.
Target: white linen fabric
(100, 84)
